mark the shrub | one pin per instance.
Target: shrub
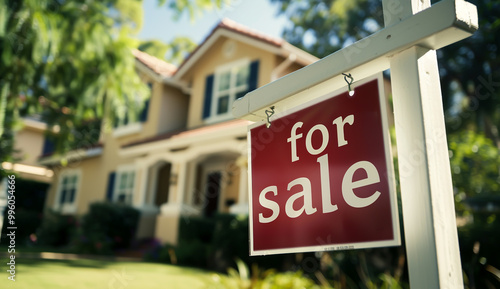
(196, 228)
(56, 229)
(215, 243)
(230, 241)
(193, 253)
(29, 202)
(107, 227)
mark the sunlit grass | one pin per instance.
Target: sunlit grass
(76, 274)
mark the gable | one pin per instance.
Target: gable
(228, 29)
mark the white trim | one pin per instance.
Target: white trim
(34, 124)
(28, 169)
(239, 209)
(231, 91)
(176, 209)
(67, 208)
(283, 65)
(176, 142)
(128, 168)
(128, 129)
(75, 155)
(169, 80)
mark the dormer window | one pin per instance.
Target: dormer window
(124, 126)
(228, 83)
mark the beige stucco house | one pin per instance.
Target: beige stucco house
(186, 155)
(29, 144)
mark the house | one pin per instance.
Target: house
(186, 155)
(29, 144)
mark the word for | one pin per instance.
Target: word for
(324, 136)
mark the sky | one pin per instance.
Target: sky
(259, 15)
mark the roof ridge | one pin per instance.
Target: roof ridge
(238, 27)
(235, 27)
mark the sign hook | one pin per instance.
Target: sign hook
(269, 113)
(349, 82)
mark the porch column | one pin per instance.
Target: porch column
(241, 207)
(167, 224)
(147, 220)
(142, 184)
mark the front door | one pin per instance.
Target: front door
(212, 192)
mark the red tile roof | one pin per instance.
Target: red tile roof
(157, 65)
(237, 28)
(242, 29)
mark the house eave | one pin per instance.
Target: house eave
(72, 156)
(186, 139)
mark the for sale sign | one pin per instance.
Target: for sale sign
(321, 176)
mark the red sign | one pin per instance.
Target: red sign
(321, 176)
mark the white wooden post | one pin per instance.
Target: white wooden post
(407, 46)
(425, 176)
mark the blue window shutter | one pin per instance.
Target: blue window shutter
(253, 77)
(207, 104)
(49, 146)
(143, 117)
(62, 197)
(72, 195)
(144, 113)
(111, 186)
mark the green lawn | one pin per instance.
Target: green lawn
(75, 274)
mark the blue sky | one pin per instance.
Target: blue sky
(260, 15)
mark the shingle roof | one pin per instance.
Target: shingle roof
(159, 66)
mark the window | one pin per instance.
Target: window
(123, 125)
(67, 191)
(124, 186)
(229, 83)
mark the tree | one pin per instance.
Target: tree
(470, 79)
(470, 70)
(65, 59)
(70, 60)
(174, 52)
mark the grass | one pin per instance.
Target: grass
(76, 274)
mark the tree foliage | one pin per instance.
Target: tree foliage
(470, 80)
(193, 8)
(65, 58)
(174, 52)
(71, 60)
(470, 70)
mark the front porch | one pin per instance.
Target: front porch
(199, 178)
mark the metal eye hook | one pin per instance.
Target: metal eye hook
(349, 82)
(269, 113)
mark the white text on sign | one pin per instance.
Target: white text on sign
(348, 184)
